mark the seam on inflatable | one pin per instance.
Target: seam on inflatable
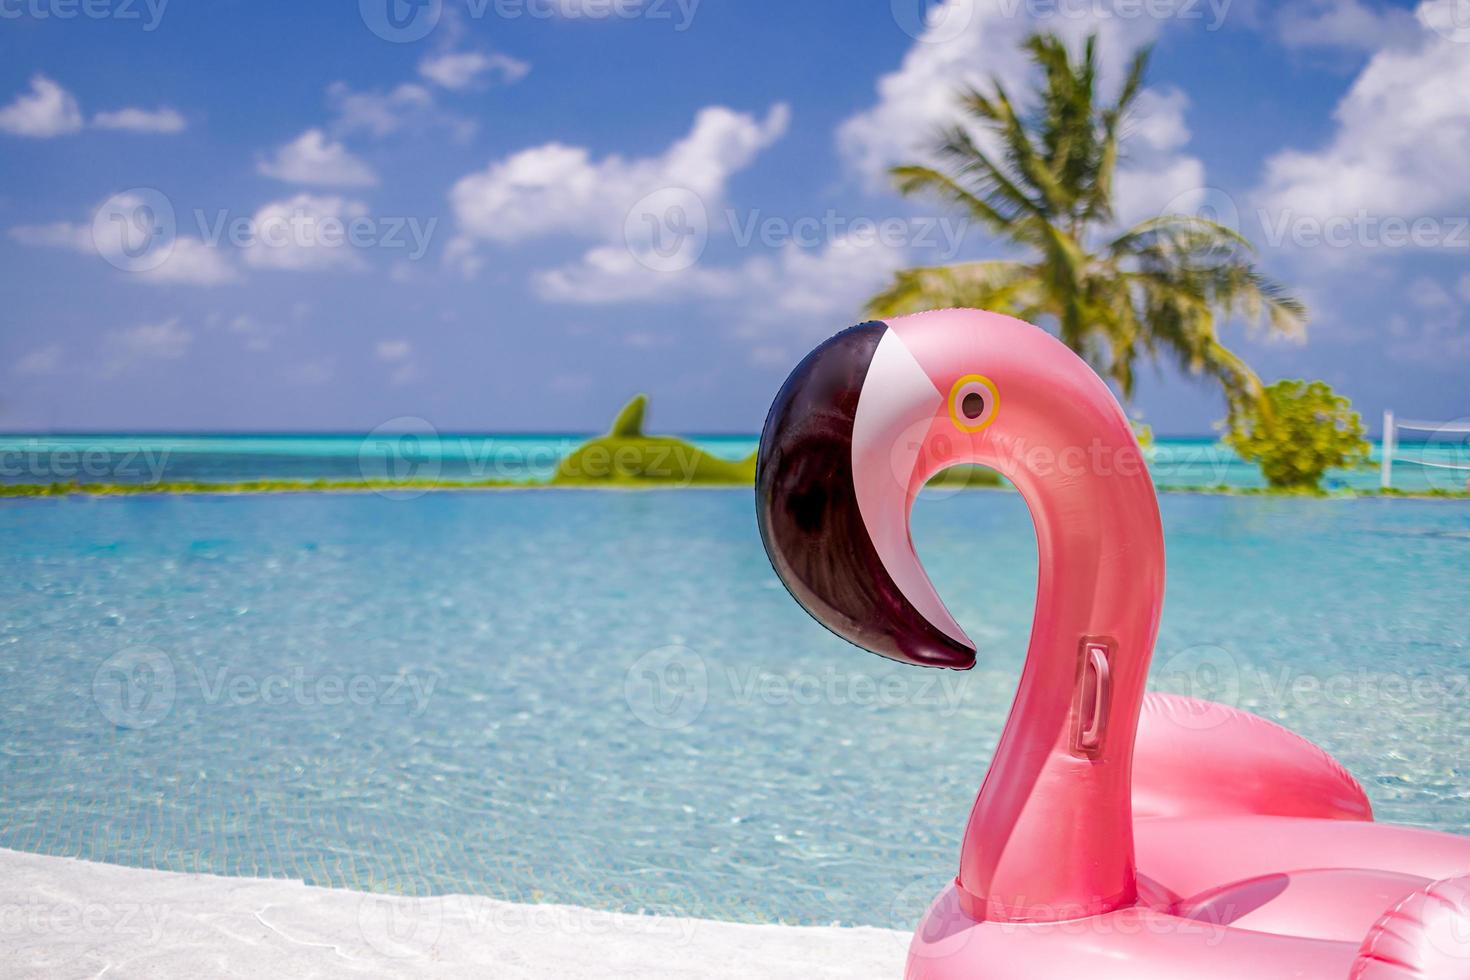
(1383, 931)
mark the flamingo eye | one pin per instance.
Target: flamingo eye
(973, 402)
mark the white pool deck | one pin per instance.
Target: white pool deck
(62, 917)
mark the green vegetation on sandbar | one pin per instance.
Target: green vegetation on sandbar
(1339, 493)
(623, 458)
(628, 457)
(966, 476)
(1299, 432)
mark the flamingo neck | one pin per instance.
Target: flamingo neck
(1051, 833)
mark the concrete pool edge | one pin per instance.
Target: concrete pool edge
(62, 915)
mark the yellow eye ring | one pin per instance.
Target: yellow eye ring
(974, 403)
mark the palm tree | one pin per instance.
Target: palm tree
(1156, 289)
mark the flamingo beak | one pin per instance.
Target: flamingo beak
(842, 553)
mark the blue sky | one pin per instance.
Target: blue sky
(539, 207)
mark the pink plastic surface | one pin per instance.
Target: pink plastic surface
(1425, 935)
(1204, 843)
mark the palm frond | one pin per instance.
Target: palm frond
(1044, 180)
(1000, 285)
(915, 180)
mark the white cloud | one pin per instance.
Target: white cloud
(148, 257)
(50, 110)
(398, 354)
(125, 349)
(1157, 121)
(613, 274)
(1349, 24)
(462, 256)
(391, 351)
(1447, 18)
(1156, 176)
(256, 335)
(408, 107)
(308, 232)
(560, 189)
(807, 288)
(134, 120)
(57, 234)
(180, 260)
(1427, 294)
(192, 262)
(312, 158)
(379, 113)
(799, 292)
(1435, 335)
(1402, 138)
(39, 362)
(967, 43)
(459, 70)
(47, 110)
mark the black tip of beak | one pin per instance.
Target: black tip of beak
(810, 522)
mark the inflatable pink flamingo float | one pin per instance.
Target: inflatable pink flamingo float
(1117, 835)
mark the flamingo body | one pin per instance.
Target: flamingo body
(1116, 835)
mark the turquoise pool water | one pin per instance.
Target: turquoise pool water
(411, 448)
(607, 699)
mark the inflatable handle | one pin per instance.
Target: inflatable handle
(1093, 693)
(1424, 937)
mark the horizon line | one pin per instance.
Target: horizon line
(359, 433)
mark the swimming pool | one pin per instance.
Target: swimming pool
(607, 699)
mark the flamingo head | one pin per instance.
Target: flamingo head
(868, 417)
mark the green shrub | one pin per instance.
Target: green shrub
(628, 457)
(964, 475)
(1299, 431)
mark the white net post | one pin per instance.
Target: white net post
(1389, 438)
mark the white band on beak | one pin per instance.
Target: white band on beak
(894, 411)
